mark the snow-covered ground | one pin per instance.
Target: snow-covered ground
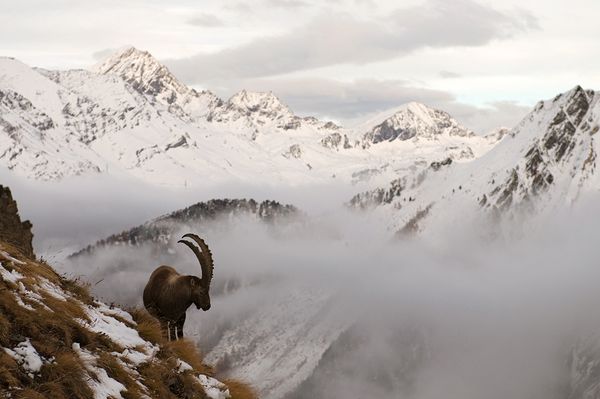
(131, 116)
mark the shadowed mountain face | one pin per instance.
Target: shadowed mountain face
(158, 233)
(12, 229)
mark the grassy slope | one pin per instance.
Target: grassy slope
(58, 316)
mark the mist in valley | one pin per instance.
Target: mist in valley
(331, 305)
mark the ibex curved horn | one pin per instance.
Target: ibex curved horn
(205, 257)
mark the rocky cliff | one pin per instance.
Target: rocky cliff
(12, 229)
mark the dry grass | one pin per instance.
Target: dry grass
(188, 352)
(79, 289)
(147, 326)
(64, 378)
(53, 328)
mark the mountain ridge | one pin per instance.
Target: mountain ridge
(135, 118)
(548, 160)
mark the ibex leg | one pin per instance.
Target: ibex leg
(179, 326)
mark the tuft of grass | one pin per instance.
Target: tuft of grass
(80, 289)
(159, 379)
(147, 326)
(4, 330)
(8, 372)
(65, 378)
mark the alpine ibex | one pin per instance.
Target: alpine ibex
(168, 294)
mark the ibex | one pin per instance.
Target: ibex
(168, 294)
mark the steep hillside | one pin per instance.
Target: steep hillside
(59, 342)
(546, 162)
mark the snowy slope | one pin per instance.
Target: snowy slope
(131, 116)
(547, 161)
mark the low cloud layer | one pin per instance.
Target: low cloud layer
(457, 317)
(341, 38)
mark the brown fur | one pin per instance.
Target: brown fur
(168, 294)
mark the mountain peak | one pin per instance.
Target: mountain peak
(126, 58)
(411, 120)
(255, 100)
(145, 73)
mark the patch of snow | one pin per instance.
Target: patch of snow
(183, 366)
(114, 311)
(6, 256)
(134, 357)
(117, 331)
(103, 386)
(21, 303)
(27, 357)
(31, 296)
(13, 276)
(53, 290)
(214, 388)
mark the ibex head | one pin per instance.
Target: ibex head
(200, 286)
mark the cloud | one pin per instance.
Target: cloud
(489, 117)
(240, 8)
(421, 317)
(206, 20)
(333, 39)
(449, 75)
(103, 54)
(344, 100)
(288, 4)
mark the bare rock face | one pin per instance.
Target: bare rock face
(12, 229)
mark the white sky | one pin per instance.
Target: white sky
(484, 62)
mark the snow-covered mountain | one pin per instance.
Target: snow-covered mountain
(546, 162)
(412, 120)
(147, 76)
(129, 115)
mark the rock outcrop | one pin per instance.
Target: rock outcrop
(12, 229)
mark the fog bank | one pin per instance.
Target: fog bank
(456, 317)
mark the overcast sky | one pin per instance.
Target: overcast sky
(485, 62)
